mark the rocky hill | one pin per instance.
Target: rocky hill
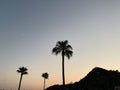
(97, 79)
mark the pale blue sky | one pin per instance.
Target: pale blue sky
(29, 29)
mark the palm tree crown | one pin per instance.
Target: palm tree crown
(45, 75)
(64, 48)
(22, 70)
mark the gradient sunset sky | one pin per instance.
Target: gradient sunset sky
(29, 29)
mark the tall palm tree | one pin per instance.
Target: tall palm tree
(63, 48)
(22, 71)
(45, 76)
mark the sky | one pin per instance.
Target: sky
(29, 29)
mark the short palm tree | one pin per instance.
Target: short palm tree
(63, 48)
(45, 76)
(22, 71)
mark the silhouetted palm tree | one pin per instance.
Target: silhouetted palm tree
(66, 50)
(23, 71)
(45, 76)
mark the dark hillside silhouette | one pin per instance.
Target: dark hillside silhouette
(97, 79)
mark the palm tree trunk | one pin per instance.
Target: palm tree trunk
(20, 82)
(63, 74)
(44, 84)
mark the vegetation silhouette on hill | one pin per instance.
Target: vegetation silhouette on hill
(97, 79)
(45, 76)
(63, 48)
(22, 71)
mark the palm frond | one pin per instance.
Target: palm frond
(25, 73)
(18, 71)
(69, 47)
(65, 42)
(68, 54)
(56, 50)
